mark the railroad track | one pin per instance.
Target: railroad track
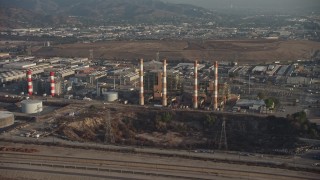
(137, 168)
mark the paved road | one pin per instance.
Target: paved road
(143, 164)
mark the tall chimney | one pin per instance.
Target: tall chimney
(215, 106)
(164, 84)
(52, 84)
(30, 87)
(141, 99)
(195, 95)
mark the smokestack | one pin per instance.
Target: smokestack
(195, 95)
(30, 87)
(164, 84)
(52, 84)
(141, 99)
(215, 106)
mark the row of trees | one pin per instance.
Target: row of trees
(271, 102)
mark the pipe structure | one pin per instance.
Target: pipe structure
(164, 84)
(30, 87)
(141, 97)
(215, 106)
(52, 84)
(195, 94)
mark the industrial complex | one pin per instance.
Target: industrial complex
(198, 106)
(205, 86)
(159, 89)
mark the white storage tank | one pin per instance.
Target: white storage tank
(31, 106)
(6, 119)
(110, 96)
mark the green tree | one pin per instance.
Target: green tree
(210, 120)
(301, 117)
(269, 103)
(276, 101)
(166, 117)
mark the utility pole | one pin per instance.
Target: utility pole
(223, 136)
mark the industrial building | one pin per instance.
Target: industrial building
(43, 85)
(282, 70)
(161, 84)
(272, 71)
(153, 83)
(255, 105)
(6, 119)
(20, 73)
(259, 69)
(90, 75)
(299, 80)
(188, 66)
(153, 65)
(19, 65)
(10, 76)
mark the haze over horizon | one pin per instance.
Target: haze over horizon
(286, 5)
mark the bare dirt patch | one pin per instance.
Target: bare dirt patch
(248, 51)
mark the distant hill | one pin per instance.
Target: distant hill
(30, 13)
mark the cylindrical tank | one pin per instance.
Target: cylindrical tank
(6, 119)
(31, 106)
(110, 96)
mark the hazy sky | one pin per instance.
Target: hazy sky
(252, 4)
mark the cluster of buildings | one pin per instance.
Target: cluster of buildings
(295, 74)
(160, 83)
(83, 78)
(250, 28)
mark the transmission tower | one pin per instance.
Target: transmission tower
(223, 136)
(109, 137)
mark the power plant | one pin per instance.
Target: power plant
(161, 86)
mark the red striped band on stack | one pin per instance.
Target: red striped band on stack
(195, 95)
(52, 84)
(30, 87)
(215, 85)
(141, 97)
(164, 86)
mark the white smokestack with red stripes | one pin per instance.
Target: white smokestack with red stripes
(215, 106)
(30, 87)
(52, 84)
(141, 97)
(164, 84)
(195, 95)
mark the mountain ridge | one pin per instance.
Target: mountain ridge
(53, 12)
